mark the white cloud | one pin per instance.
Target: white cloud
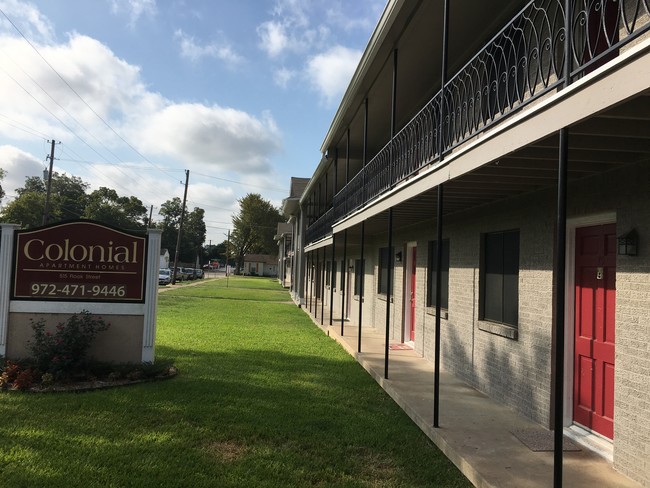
(191, 50)
(362, 15)
(28, 19)
(224, 138)
(330, 72)
(283, 76)
(18, 165)
(134, 9)
(273, 38)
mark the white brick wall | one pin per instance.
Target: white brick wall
(518, 371)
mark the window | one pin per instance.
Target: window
(343, 273)
(431, 288)
(334, 274)
(359, 271)
(384, 260)
(328, 273)
(500, 277)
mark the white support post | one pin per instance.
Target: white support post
(6, 253)
(151, 296)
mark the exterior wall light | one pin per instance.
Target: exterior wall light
(628, 243)
(398, 257)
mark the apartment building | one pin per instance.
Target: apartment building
(485, 186)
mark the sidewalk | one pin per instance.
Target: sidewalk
(475, 432)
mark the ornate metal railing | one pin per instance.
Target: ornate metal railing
(321, 228)
(521, 63)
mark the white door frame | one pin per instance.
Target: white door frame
(569, 303)
(408, 263)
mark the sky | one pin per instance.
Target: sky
(135, 92)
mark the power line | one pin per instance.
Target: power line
(19, 125)
(75, 92)
(243, 184)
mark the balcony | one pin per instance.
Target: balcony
(525, 61)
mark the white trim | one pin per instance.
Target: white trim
(406, 290)
(584, 436)
(99, 308)
(319, 244)
(6, 254)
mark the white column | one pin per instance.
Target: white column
(151, 296)
(6, 253)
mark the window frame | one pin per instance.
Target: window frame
(497, 281)
(383, 261)
(359, 274)
(432, 271)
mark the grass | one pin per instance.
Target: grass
(263, 399)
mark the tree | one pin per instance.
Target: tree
(67, 201)
(105, 205)
(26, 210)
(3, 173)
(254, 228)
(194, 233)
(194, 229)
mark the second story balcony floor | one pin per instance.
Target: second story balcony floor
(407, 110)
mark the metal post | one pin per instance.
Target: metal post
(361, 284)
(316, 278)
(436, 367)
(560, 265)
(332, 276)
(389, 284)
(443, 79)
(560, 272)
(343, 279)
(322, 290)
(310, 281)
(393, 115)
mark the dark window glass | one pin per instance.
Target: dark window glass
(500, 277)
(384, 260)
(444, 289)
(334, 273)
(328, 273)
(359, 271)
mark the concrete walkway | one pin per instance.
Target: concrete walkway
(475, 432)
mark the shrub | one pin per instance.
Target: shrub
(64, 352)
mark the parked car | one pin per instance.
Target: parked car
(180, 274)
(189, 273)
(164, 276)
(199, 273)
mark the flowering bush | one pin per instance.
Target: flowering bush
(64, 352)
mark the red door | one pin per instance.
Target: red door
(412, 277)
(595, 299)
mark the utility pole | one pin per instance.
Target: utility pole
(180, 227)
(150, 216)
(49, 183)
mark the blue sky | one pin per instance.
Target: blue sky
(137, 91)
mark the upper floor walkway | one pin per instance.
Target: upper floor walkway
(539, 53)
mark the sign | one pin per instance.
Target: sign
(79, 261)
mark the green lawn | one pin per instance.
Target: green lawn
(263, 398)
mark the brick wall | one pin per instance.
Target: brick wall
(518, 371)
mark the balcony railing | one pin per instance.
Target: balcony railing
(321, 227)
(521, 63)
